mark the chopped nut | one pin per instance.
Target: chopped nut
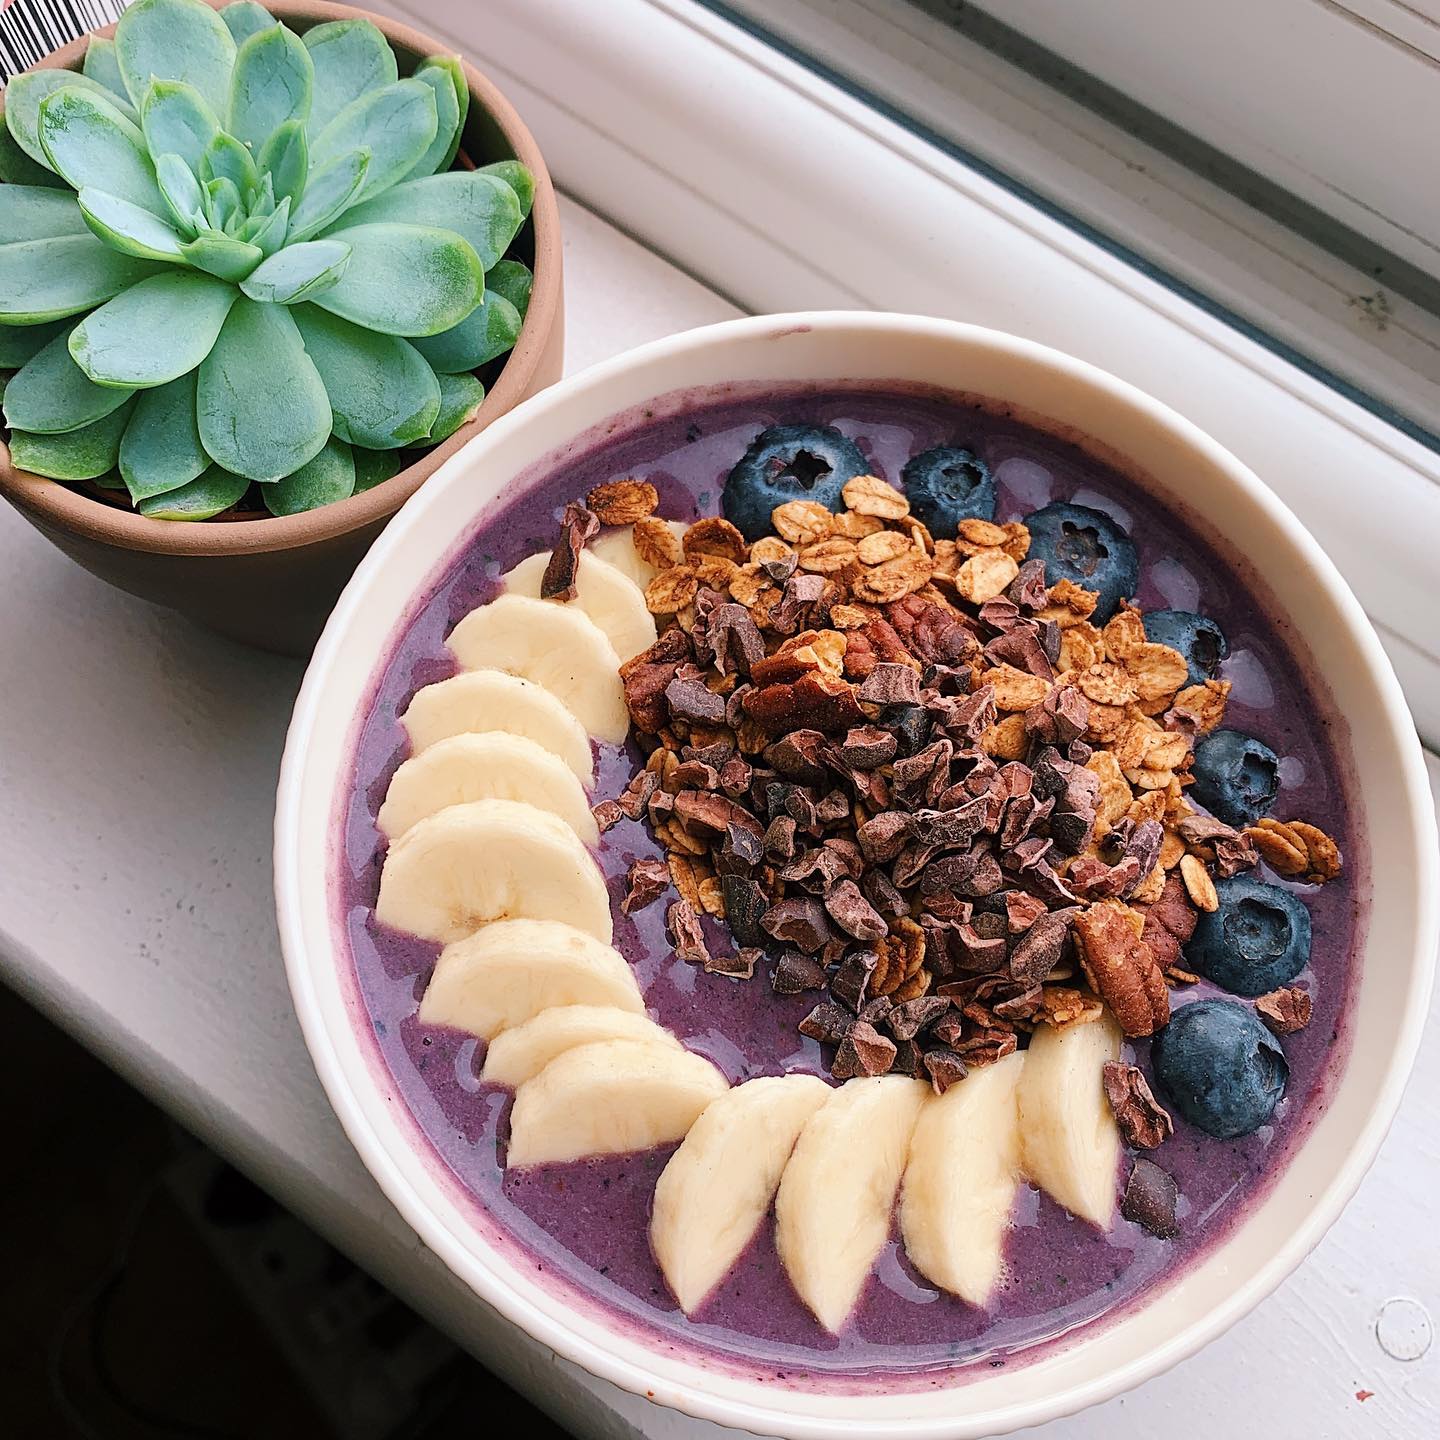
(656, 543)
(1121, 967)
(623, 502)
(1284, 1011)
(870, 495)
(1143, 1121)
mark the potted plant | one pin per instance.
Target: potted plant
(260, 274)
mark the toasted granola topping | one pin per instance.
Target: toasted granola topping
(671, 590)
(870, 495)
(623, 502)
(1297, 850)
(1198, 884)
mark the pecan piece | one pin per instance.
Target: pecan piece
(1121, 967)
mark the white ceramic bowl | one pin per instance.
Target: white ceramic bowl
(1399, 949)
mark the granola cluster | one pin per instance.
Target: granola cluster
(922, 783)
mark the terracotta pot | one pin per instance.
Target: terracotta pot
(271, 581)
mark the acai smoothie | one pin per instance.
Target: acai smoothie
(940, 761)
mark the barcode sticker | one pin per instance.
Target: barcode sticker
(31, 29)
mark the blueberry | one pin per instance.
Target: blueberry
(789, 462)
(1236, 776)
(1198, 638)
(1220, 1067)
(947, 485)
(1087, 547)
(1258, 939)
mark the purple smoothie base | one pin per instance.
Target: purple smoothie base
(585, 1225)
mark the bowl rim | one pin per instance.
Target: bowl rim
(582, 1340)
(56, 504)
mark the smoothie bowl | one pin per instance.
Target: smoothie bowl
(855, 875)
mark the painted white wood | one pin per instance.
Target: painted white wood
(1109, 178)
(1335, 100)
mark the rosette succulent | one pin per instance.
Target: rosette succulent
(232, 255)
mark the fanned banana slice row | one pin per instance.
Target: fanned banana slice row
(961, 1180)
(512, 971)
(606, 594)
(490, 701)
(713, 1193)
(833, 1208)
(617, 547)
(557, 646)
(607, 1099)
(521, 1053)
(489, 766)
(1070, 1146)
(489, 860)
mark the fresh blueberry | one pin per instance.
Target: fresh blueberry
(1236, 776)
(789, 462)
(1198, 638)
(1087, 547)
(947, 485)
(1220, 1067)
(1257, 940)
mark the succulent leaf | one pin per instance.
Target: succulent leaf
(328, 191)
(17, 168)
(271, 84)
(20, 343)
(382, 394)
(406, 279)
(374, 467)
(395, 124)
(129, 228)
(513, 280)
(448, 116)
(244, 18)
(155, 332)
(175, 40)
(49, 279)
(177, 121)
(480, 208)
(52, 394)
(351, 58)
(101, 66)
(161, 450)
(80, 454)
(261, 403)
(284, 161)
(490, 329)
(214, 492)
(184, 198)
(24, 96)
(518, 178)
(36, 212)
(90, 142)
(268, 233)
(222, 255)
(298, 272)
(460, 398)
(226, 159)
(329, 477)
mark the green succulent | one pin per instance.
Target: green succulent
(233, 255)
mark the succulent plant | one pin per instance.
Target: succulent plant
(231, 254)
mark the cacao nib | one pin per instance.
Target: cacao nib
(685, 933)
(1039, 949)
(906, 1021)
(853, 913)
(890, 684)
(864, 1051)
(945, 1069)
(647, 882)
(745, 907)
(827, 1023)
(851, 981)
(576, 527)
(795, 972)
(800, 921)
(739, 966)
(1150, 1200)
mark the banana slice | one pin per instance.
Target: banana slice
(486, 701)
(617, 547)
(1070, 1145)
(490, 766)
(515, 970)
(714, 1192)
(557, 646)
(607, 1099)
(833, 1207)
(518, 1055)
(961, 1180)
(485, 861)
(607, 595)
